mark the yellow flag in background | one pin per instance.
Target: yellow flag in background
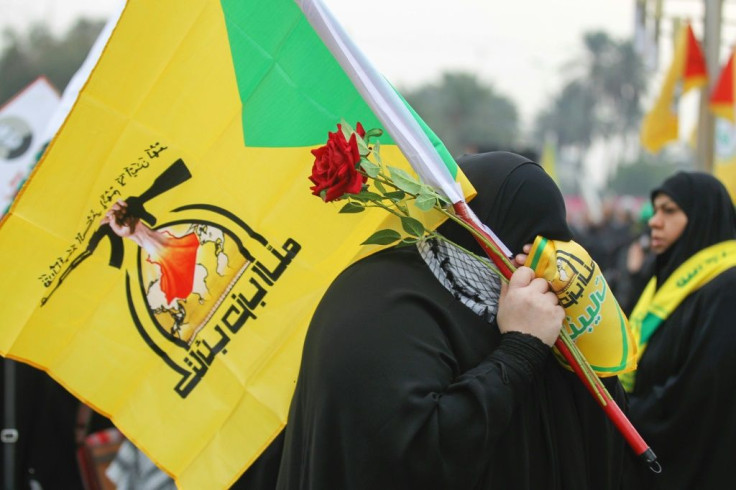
(687, 71)
(549, 159)
(187, 333)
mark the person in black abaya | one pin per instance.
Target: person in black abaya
(684, 390)
(416, 375)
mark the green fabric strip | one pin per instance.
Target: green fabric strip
(538, 253)
(288, 102)
(624, 349)
(649, 326)
(291, 87)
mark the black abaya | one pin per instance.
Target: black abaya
(684, 398)
(402, 386)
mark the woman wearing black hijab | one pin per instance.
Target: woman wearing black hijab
(683, 394)
(407, 380)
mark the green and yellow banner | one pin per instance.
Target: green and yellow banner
(166, 255)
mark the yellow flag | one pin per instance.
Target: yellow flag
(183, 318)
(549, 159)
(687, 71)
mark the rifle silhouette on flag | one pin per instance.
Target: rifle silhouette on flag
(175, 174)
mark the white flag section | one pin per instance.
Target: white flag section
(388, 107)
(23, 120)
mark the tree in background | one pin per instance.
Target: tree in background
(605, 92)
(600, 102)
(466, 115)
(28, 55)
(568, 117)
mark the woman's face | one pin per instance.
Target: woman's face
(667, 223)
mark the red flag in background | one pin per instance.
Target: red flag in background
(722, 100)
(695, 72)
(722, 97)
(687, 71)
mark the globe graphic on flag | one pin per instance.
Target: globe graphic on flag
(188, 278)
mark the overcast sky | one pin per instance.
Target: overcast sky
(521, 47)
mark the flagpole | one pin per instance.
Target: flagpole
(711, 49)
(389, 108)
(426, 161)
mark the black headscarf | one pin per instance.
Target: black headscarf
(710, 217)
(516, 199)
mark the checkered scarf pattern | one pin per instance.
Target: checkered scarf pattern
(464, 275)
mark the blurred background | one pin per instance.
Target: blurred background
(573, 77)
(567, 83)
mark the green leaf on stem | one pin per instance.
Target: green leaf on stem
(377, 153)
(363, 148)
(440, 199)
(365, 196)
(444, 202)
(382, 237)
(408, 241)
(380, 187)
(412, 226)
(425, 202)
(369, 168)
(352, 207)
(346, 129)
(373, 133)
(404, 181)
(395, 196)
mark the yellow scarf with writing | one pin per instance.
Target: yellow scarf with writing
(655, 305)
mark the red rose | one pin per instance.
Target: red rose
(334, 172)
